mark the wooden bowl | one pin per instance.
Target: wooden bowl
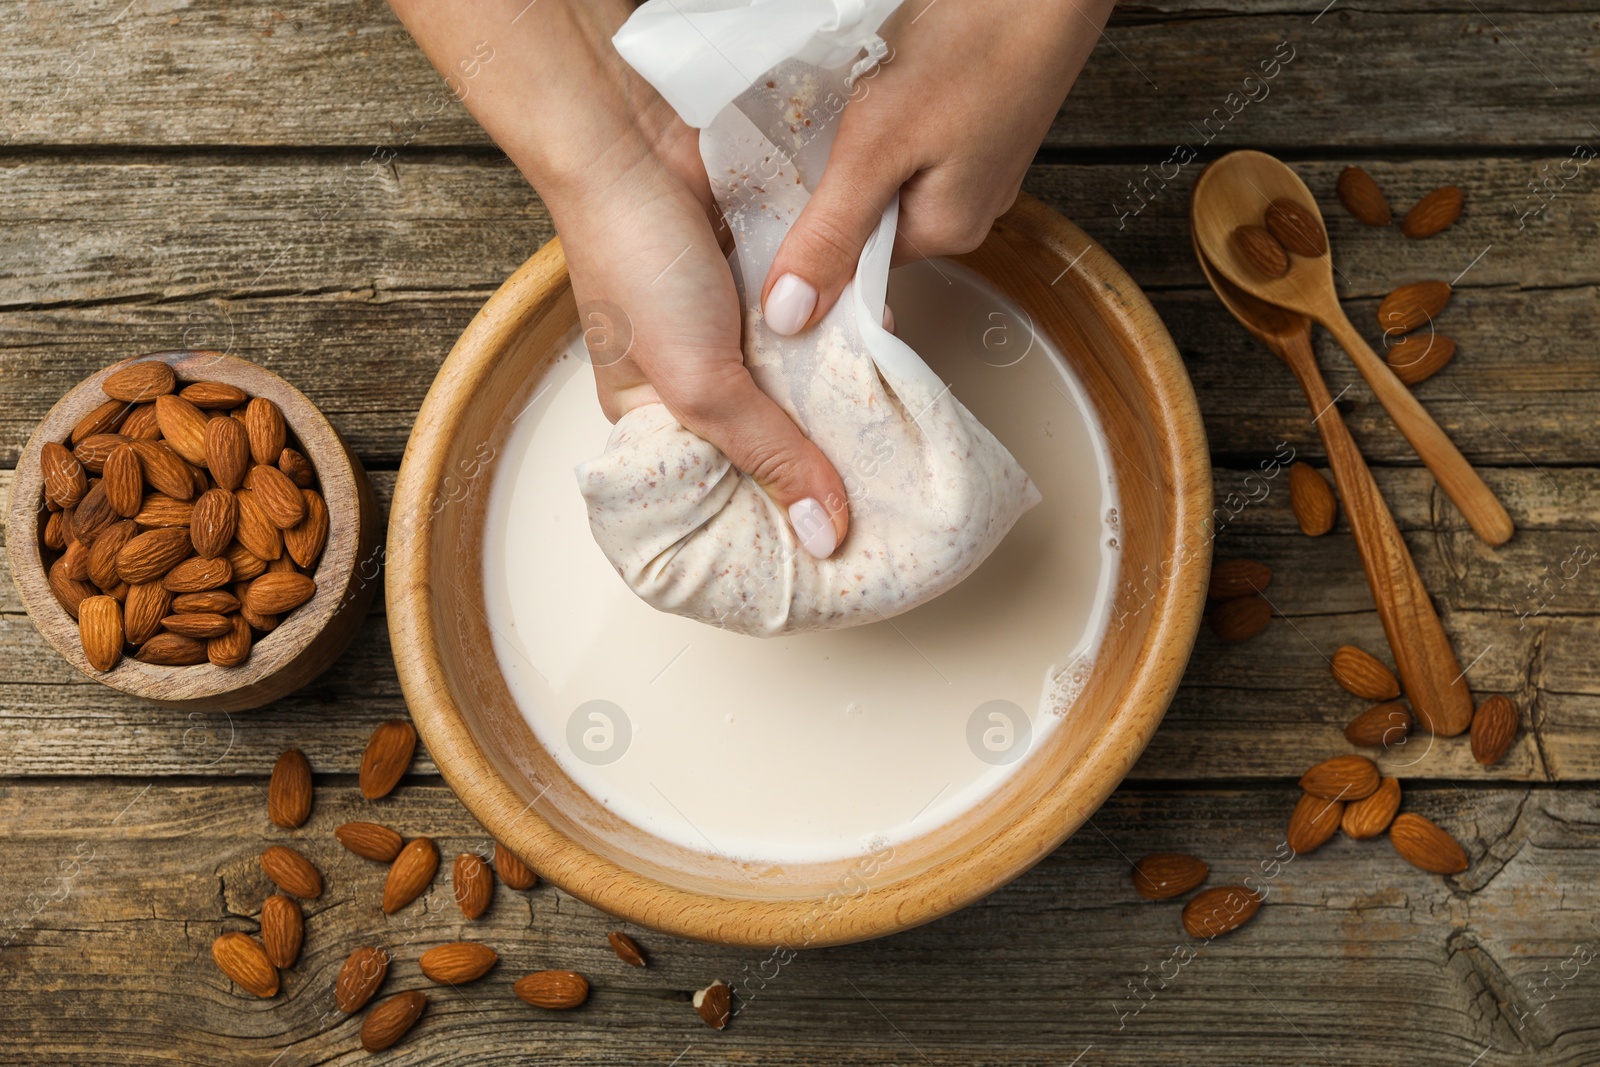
(309, 639)
(1080, 299)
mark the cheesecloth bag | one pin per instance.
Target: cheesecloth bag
(931, 491)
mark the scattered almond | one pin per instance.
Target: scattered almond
(292, 872)
(1311, 499)
(1360, 195)
(1379, 726)
(1372, 815)
(1434, 213)
(1422, 843)
(1219, 911)
(512, 871)
(457, 963)
(387, 758)
(1360, 673)
(555, 990)
(1412, 305)
(363, 972)
(289, 789)
(1313, 821)
(242, 959)
(1296, 228)
(369, 840)
(140, 381)
(387, 1023)
(1494, 727)
(474, 884)
(1241, 618)
(1260, 250)
(283, 929)
(1417, 357)
(1233, 578)
(714, 1004)
(1162, 875)
(410, 874)
(627, 949)
(1348, 777)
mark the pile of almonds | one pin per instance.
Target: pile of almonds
(182, 524)
(254, 964)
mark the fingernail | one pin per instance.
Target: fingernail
(888, 312)
(813, 526)
(789, 306)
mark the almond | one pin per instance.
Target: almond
(212, 395)
(369, 840)
(144, 609)
(1360, 673)
(277, 495)
(283, 929)
(1434, 213)
(474, 884)
(165, 470)
(1297, 228)
(363, 972)
(151, 555)
(69, 591)
(289, 790)
(388, 756)
(1313, 821)
(171, 650)
(100, 628)
(1311, 499)
(1241, 618)
(212, 523)
(93, 452)
(1348, 777)
(184, 427)
(141, 425)
(1494, 727)
(1411, 306)
(124, 477)
(1372, 815)
(210, 602)
(626, 948)
(292, 872)
(263, 422)
(1380, 726)
(255, 530)
(233, 647)
(556, 990)
(103, 556)
(1360, 195)
(106, 418)
(1417, 357)
(298, 468)
(1234, 578)
(457, 963)
(227, 452)
(262, 623)
(247, 566)
(199, 624)
(304, 541)
(93, 513)
(1221, 910)
(1162, 875)
(65, 480)
(387, 1023)
(277, 592)
(158, 510)
(76, 559)
(242, 959)
(1422, 843)
(410, 874)
(197, 574)
(714, 1004)
(141, 381)
(1260, 250)
(512, 871)
(55, 531)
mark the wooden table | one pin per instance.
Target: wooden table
(295, 185)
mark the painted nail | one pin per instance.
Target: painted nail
(813, 526)
(789, 305)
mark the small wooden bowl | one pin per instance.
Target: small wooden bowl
(309, 639)
(1100, 321)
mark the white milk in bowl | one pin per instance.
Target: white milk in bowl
(819, 746)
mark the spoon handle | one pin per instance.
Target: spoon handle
(1428, 667)
(1484, 513)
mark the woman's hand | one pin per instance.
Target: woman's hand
(951, 121)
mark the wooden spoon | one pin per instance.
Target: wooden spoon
(1429, 670)
(1235, 191)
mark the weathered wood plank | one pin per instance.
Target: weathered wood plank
(347, 74)
(116, 968)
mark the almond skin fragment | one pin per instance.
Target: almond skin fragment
(1162, 875)
(387, 758)
(1241, 618)
(370, 841)
(1371, 816)
(1494, 727)
(627, 949)
(1311, 499)
(1348, 777)
(1361, 673)
(289, 790)
(1313, 821)
(242, 959)
(410, 874)
(1234, 578)
(553, 990)
(457, 963)
(714, 1004)
(473, 883)
(1422, 843)
(363, 972)
(1380, 726)
(1219, 911)
(292, 872)
(283, 929)
(387, 1023)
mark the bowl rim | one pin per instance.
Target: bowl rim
(1175, 615)
(319, 627)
